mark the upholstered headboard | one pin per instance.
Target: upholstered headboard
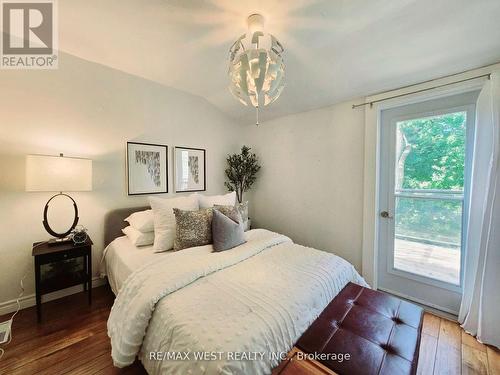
(113, 222)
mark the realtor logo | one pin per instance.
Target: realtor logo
(29, 37)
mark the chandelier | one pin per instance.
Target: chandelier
(256, 67)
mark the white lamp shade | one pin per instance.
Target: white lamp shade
(58, 173)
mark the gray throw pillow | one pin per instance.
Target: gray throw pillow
(231, 212)
(194, 228)
(242, 208)
(226, 232)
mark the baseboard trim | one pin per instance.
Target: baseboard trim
(30, 300)
(435, 309)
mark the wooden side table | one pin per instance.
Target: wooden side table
(292, 365)
(61, 266)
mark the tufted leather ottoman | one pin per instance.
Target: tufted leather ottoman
(380, 332)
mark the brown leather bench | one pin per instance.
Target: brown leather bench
(381, 333)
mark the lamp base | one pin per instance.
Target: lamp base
(46, 220)
(59, 241)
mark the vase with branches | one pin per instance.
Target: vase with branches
(241, 171)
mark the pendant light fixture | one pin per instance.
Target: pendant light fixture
(256, 67)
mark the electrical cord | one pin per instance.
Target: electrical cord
(18, 301)
(21, 284)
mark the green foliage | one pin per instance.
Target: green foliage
(436, 159)
(241, 171)
(432, 220)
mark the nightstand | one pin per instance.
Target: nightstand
(61, 266)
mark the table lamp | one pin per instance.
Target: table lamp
(58, 174)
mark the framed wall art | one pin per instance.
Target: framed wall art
(190, 169)
(147, 168)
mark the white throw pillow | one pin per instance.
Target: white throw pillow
(139, 238)
(143, 221)
(207, 201)
(164, 218)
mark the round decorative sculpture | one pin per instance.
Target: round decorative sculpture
(256, 67)
(46, 220)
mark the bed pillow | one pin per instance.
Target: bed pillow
(193, 228)
(139, 238)
(142, 221)
(207, 201)
(242, 208)
(231, 212)
(226, 232)
(164, 218)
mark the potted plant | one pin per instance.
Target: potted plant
(241, 171)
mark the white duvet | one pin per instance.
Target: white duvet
(242, 307)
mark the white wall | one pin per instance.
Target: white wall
(88, 110)
(310, 186)
(311, 182)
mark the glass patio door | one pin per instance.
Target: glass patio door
(425, 159)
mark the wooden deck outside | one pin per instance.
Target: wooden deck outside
(442, 263)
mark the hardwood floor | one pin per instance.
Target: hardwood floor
(72, 339)
(446, 349)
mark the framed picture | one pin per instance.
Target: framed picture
(190, 169)
(147, 168)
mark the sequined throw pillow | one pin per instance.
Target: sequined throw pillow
(194, 228)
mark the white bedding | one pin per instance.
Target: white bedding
(121, 257)
(257, 298)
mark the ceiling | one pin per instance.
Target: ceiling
(335, 50)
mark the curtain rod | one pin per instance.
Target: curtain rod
(354, 106)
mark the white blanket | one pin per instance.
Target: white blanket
(257, 298)
(121, 257)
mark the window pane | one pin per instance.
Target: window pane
(429, 219)
(427, 237)
(431, 152)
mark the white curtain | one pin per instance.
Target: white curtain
(480, 308)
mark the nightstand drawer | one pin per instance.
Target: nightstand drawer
(63, 255)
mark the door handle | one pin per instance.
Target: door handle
(385, 215)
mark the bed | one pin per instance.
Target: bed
(198, 312)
